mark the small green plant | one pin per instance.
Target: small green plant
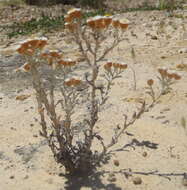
(169, 5)
(45, 24)
(133, 55)
(183, 122)
(11, 2)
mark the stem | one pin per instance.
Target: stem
(134, 78)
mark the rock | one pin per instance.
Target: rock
(144, 154)
(12, 177)
(137, 180)
(160, 117)
(116, 162)
(165, 122)
(153, 37)
(182, 50)
(111, 177)
(163, 57)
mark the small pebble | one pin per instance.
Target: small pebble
(12, 128)
(137, 180)
(35, 119)
(116, 162)
(154, 37)
(12, 177)
(144, 154)
(183, 50)
(165, 122)
(160, 117)
(31, 125)
(163, 57)
(166, 109)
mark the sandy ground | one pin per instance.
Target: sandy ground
(26, 162)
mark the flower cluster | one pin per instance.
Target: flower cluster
(116, 66)
(73, 14)
(150, 82)
(167, 74)
(67, 63)
(102, 22)
(167, 78)
(30, 46)
(51, 56)
(71, 19)
(74, 81)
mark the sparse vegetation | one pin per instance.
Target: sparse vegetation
(91, 3)
(44, 23)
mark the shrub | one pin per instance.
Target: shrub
(63, 92)
(90, 3)
(49, 2)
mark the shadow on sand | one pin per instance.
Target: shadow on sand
(92, 181)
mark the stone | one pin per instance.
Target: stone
(144, 154)
(137, 180)
(12, 177)
(163, 57)
(153, 37)
(182, 50)
(116, 162)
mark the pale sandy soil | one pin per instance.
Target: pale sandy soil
(26, 162)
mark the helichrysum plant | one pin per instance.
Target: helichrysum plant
(62, 92)
(166, 79)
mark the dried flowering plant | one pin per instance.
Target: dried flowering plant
(166, 79)
(64, 92)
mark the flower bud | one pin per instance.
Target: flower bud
(115, 23)
(150, 82)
